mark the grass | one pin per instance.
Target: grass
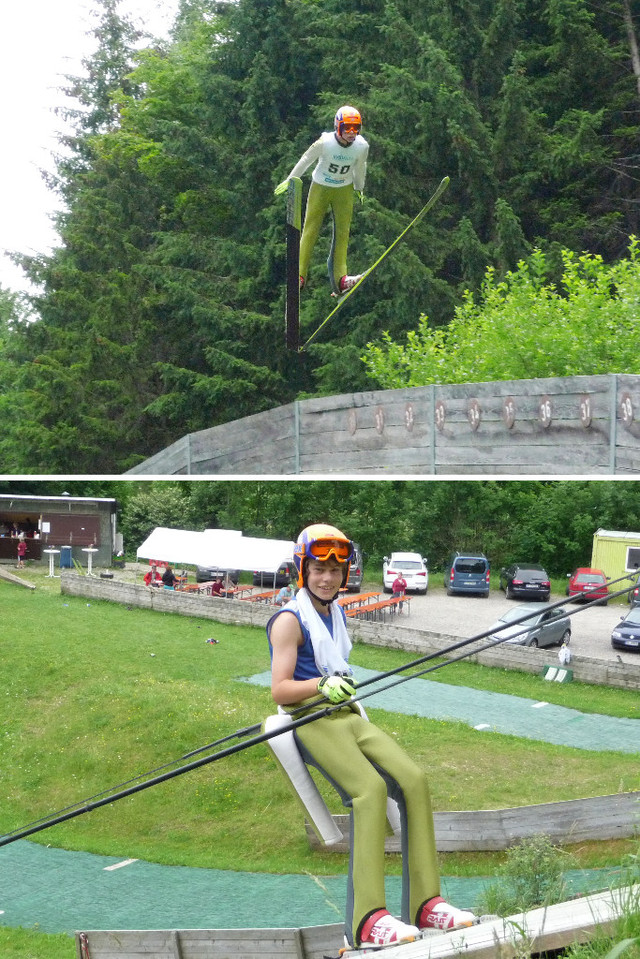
(93, 693)
(33, 944)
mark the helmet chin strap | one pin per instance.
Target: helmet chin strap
(323, 602)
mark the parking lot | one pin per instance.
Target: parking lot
(465, 616)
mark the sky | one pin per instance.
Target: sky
(40, 42)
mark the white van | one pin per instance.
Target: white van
(413, 567)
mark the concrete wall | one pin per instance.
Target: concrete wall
(416, 642)
(572, 425)
(165, 600)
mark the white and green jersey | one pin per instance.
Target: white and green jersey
(337, 164)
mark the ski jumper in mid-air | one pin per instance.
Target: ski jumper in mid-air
(340, 171)
(309, 656)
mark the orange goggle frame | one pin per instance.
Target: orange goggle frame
(347, 125)
(322, 549)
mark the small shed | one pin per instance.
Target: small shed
(616, 552)
(72, 523)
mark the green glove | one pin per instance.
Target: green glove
(337, 689)
(281, 187)
(360, 195)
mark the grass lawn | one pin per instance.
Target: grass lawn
(92, 694)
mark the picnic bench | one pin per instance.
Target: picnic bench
(207, 590)
(378, 611)
(356, 600)
(265, 597)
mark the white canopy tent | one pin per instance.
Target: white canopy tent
(222, 548)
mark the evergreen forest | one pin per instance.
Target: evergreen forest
(161, 311)
(545, 521)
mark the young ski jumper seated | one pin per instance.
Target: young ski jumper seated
(309, 654)
(340, 171)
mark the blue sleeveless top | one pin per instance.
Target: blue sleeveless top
(306, 663)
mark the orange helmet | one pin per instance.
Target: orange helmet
(320, 541)
(347, 115)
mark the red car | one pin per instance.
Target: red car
(587, 584)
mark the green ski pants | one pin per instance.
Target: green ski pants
(365, 765)
(338, 199)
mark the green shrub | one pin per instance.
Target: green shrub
(531, 876)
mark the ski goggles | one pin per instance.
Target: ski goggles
(322, 549)
(353, 127)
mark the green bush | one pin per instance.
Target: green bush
(531, 876)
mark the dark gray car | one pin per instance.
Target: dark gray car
(525, 579)
(546, 626)
(206, 574)
(626, 635)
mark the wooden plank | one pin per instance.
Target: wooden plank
(546, 426)
(129, 944)
(500, 427)
(12, 578)
(376, 433)
(384, 431)
(576, 820)
(309, 943)
(256, 444)
(170, 461)
(530, 933)
(627, 424)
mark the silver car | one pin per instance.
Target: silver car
(546, 626)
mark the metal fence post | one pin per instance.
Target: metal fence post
(296, 422)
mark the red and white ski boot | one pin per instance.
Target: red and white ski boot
(438, 914)
(346, 282)
(383, 929)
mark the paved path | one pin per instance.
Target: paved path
(465, 616)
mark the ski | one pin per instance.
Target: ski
(442, 186)
(350, 952)
(294, 225)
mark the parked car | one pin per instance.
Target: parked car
(206, 574)
(284, 575)
(626, 635)
(467, 573)
(354, 582)
(413, 567)
(547, 626)
(587, 584)
(525, 579)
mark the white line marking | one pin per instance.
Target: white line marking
(539, 705)
(119, 865)
(482, 726)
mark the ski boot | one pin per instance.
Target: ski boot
(346, 282)
(436, 914)
(382, 929)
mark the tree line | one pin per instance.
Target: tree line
(549, 522)
(161, 310)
